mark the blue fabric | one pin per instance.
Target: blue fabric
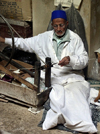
(58, 14)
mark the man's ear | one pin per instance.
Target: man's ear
(67, 23)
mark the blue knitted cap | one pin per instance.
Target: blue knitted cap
(58, 14)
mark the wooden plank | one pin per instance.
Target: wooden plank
(13, 100)
(11, 67)
(24, 31)
(20, 93)
(17, 77)
(26, 65)
(15, 22)
(16, 64)
(3, 100)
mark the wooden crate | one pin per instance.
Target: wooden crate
(24, 29)
(15, 92)
(22, 95)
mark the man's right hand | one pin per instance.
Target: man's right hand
(2, 39)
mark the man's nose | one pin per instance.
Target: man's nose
(58, 28)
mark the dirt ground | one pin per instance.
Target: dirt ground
(17, 119)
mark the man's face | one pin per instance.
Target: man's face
(59, 26)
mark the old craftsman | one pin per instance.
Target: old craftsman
(70, 93)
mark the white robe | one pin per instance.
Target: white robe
(69, 96)
(69, 102)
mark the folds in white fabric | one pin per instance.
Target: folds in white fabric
(69, 106)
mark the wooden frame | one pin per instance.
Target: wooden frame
(30, 96)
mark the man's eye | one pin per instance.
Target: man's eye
(55, 26)
(61, 25)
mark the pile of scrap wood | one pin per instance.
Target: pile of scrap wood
(18, 70)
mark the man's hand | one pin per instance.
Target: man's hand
(64, 61)
(2, 40)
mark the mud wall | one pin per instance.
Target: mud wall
(94, 27)
(41, 10)
(86, 16)
(94, 41)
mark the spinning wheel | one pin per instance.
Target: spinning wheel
(12, 36)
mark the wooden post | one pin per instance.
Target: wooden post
(37, 75)
(48, 72)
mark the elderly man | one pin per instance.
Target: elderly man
(69, 98)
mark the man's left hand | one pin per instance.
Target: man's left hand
(64, 61)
